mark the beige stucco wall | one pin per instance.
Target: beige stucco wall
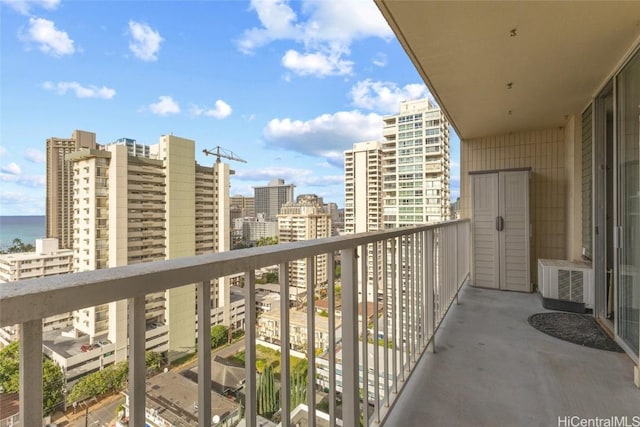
(544, 152)
(180, 223)
(573, 170)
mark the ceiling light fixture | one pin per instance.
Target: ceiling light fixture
(509, 85)
(513, 32)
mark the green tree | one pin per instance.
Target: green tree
(267, 241)
(19, 246)
(219, 335)
(153, 360)
(267, 399)
(52, 377)
(298, 383)
(271, 277)
(108, 380)
(338, 292)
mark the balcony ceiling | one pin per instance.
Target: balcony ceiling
(560, 56)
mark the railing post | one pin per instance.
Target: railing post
(404, 309)
(457, 266)
(411, 298)
(400, 289)
(137, 388)
(204, 353)
(31, 373)
(285, 361)
(332, 338)
(385, 324)
(431, 296)
(250, 404)
(350, 389)
(397, 341)
(376, 347)
(311, 343)
(364, 332)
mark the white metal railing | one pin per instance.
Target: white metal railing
(415, 272)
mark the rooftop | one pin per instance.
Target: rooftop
(299, 318)
(174, 396)
(64, 345)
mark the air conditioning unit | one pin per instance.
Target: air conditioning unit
(567, 282)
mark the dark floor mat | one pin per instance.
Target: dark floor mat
(579, 329)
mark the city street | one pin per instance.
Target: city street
(101, 414)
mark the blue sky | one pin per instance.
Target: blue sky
(288, 86)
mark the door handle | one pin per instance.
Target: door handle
(499, 223)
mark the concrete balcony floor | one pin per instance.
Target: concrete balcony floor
(492, 368)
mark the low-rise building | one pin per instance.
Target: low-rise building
(269, 329)
(46, 260)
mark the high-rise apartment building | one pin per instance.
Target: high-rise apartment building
(131, 209)
(245, 205)
(241, 208)
(59, 203)
(363, 187)
(305, 219)
(415, 165)
(363, 199)
(269, 199)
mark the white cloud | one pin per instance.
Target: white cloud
(34, 156)
(328, 22)
(326, 136)
(11, 169)
(385, 97)
(326, 29)
(145, 42)
(165, 106)
(380, 60)
(317, 64)
(32, 181)
(50, 39)
(81, 91)
(278, 22)
(24, 6)
(221, 110)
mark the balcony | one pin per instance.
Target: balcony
(424, 268)
(491, 368)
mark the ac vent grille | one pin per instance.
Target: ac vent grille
(567, 281)
(577, 286)
(564, 285)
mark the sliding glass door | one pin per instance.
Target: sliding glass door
(628, 155)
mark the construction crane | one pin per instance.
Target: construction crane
(220, 152)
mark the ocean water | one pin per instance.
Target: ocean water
(25, 228)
